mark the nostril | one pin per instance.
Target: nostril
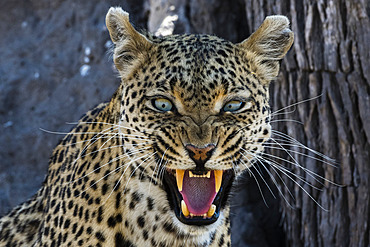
(200, 155)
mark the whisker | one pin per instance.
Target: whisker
(297, 103)
(71, 133)
(301, 178)
(289, 138)
(275, 182)
(116, 125)
(295, 163)
(116, 169)
(114, 159)
(258, 185)
(137, 167)
(286, 120)
(272, 193)
(159, 165)
(270, 146)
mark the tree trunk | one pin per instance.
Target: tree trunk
(330, 57)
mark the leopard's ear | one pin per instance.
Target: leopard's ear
(268, 45)
(130, 45)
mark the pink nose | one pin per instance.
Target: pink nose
(200, 155)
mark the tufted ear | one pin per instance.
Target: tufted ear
(130, 45)
(268, 45)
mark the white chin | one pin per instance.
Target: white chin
(197, 231)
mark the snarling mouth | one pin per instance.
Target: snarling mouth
(197, 196)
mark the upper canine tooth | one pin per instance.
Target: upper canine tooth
(218, 179)
(179, 178)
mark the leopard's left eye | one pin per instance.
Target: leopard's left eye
(236, 105)
(162, 104)
(233, 105)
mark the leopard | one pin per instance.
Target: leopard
(156, 164)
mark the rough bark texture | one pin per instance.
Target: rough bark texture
(54, 67)
(330, 57)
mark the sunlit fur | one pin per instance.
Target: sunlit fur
(104, 185)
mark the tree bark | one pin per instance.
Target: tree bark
(330, 57)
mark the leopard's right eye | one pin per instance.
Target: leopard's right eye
(162, 104)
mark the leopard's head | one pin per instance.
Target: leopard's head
(202, 104)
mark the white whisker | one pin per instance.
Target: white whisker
(258, 185)
(297, 103)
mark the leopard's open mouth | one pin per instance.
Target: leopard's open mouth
(197, 196)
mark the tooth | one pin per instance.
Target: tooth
(208, 175)
(191, 174)
(191, 215)
(211, 211)
(218, 179)
(184, 209)
(179, 178)
(204, 216)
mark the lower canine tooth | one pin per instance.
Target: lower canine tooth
(184, 209)
(211, 211)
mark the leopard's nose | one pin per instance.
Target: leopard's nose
(200, 155)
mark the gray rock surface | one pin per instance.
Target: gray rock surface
(55, 66)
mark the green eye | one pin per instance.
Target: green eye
(162, 104)
(233, 106)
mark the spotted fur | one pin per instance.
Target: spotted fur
(104, 185)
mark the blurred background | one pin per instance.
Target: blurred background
(55, 66)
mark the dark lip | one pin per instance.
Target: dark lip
(174, 197)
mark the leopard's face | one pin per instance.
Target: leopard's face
(205, 113)
(200, 104)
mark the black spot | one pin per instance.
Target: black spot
(150, 203)
(119, 218)
(133, 95)
(100, 215)
(141, 221)
(67, 223)
(121, 242)
(222, 53)
(212, 237)
(74, 228)
(135, 198)
(100, 236)
(221, 241)
(111, 221)
(168, 227)
(97, 168)
(79, 233)
(145, 235)
(219, 61)
(104, 189)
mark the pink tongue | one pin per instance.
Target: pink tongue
(198, 193)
